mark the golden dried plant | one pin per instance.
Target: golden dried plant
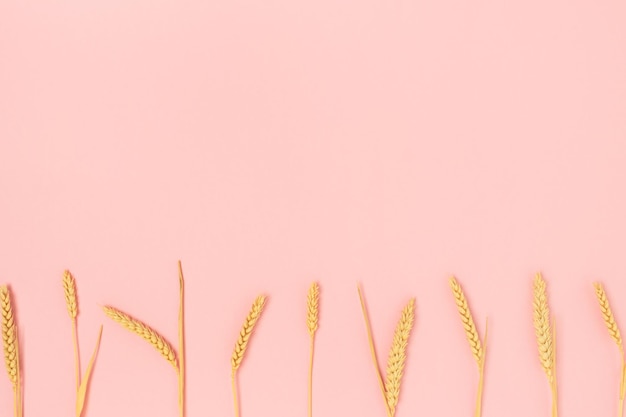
(11, 348)
(613, 328)
(390, 385)
(312, 322)
(545, 332)
(479, 350)
(242, 344)
(158, 341)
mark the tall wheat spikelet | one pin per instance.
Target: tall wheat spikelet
(545, 335)
(145, 331)
(69, 285)
(611, 325)
(11, 347)
(397, 356)
(312, 320)
(242, 344)
(479, 350)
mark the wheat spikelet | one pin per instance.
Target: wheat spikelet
(69, 285)
(468, 322)
(9, 337)
(246, 332)
(144, 331)
(312, 303)
(543, 329)
(607, 315)
(397, 356)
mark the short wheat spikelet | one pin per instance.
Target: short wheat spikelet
(69, 287)
(390, 386)
(158, 341)
(11, 348)
(242, 344)
(545, 336)
(611, 325)
(478, 350)
(312, 320)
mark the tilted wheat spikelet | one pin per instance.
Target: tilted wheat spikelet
(158, 341)
(390, 385)
(544, 331)
(11, 348)
(242, 344)
(479, 349)
(312, 321)
(611, 325)
(69, 287)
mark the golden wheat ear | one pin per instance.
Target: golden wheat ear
(11, 347)
(614, 332)
(242, 344)
(397, 356)
(312, 321)
(145, 331)
(545, 334)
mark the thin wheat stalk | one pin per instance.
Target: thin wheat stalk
(312, 321)
(69, 287)
(11, 347)
(143, 330)
(181, 341)
(472, 335)
(242, 344)
(397, 356)
(545, 336)
(613, 328)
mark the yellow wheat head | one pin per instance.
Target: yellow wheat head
(144, 331)
(69, 285)
(312, 303)
(468, 322)
(543, 328)
(9, 336)
(607, 315)
(397, 355)
(246, 331)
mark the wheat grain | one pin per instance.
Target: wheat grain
(312, 303)
(69, 285)
(468, 322)
(607, 315)
(246, 331)
(397, 356)
(9, 337)
(543, 329)
(144, 331)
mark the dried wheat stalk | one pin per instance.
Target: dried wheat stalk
(242, 344)
(611, 325)
(312, 302)
(545, 336)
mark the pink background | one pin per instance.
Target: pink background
(270, 143)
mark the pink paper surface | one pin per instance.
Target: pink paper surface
(270, 143)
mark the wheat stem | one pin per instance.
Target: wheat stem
(370, 340)
(181, 342)
(311, 347)
(481, 376)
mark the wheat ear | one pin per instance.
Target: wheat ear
(611, 325)
(242, 344)
(478, 350)
(11, 347)
(544, 333)
(312, 321)
(397, 356)
(69, 287)
(144, 331)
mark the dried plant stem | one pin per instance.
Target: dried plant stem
(181, 342)
(313, 297)
(481, 375)
(370, 340)
(242, 344)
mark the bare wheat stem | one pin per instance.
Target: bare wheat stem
(181, 341)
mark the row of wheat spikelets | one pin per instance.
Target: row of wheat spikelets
(389, 381)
